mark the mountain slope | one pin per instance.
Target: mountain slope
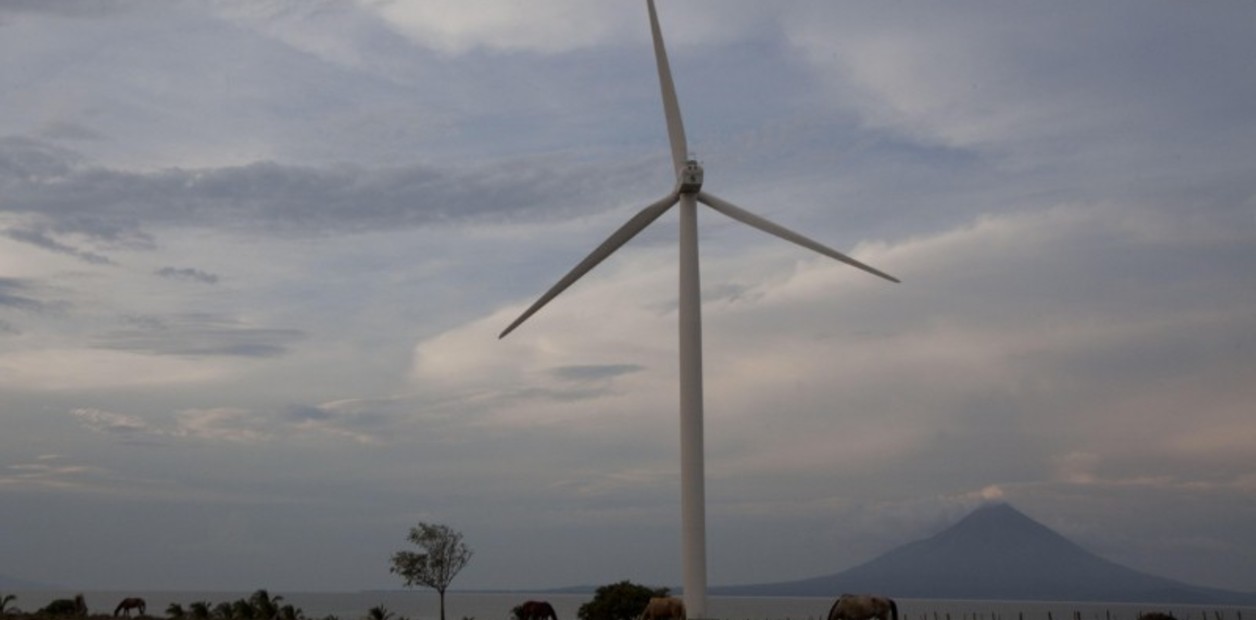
(996, 552)
(8, 585)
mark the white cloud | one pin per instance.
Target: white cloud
(221, 423)
(1029, 82)
(108, 422)
(45, 475)
(841, 356)
(456, 27)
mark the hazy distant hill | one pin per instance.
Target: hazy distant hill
(8, 585)
(996, 552)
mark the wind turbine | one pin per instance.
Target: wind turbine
(687, 193)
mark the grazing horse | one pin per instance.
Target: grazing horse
(128, 604)
(664, 608)
(863, 607)
(535, 610)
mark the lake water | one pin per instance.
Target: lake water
(424, 605)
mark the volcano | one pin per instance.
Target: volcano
(998, 553)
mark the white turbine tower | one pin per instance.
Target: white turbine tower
(688, 193)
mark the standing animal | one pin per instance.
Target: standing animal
(863, 607)
(664, 608)
(1156, 615)
(535, 610)
(128, 604)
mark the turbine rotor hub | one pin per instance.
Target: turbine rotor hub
(690, 180)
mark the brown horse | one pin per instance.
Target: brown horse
(535, 610)
(863, 607)
(664, 608)
(128, 604)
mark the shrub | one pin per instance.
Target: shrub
(619, 601)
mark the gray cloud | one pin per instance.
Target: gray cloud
(307, 413)
(41, 239)
(65, 130)
(13, 294)
(29, 160)
(187, 275)
(53, 187)
(30, 296)
(65, 8)
(359, 420)
(595, 372)
(199, 334)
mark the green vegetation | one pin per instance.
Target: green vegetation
(259, 606)
(443, 556)
(379, 612)
(66, 607)
(619, 601)
(5, 599)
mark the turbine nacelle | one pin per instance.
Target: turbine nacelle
(690, 179)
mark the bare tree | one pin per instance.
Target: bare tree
(443, 555)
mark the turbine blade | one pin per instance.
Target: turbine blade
(746, 217)
(621, 236)
(671, 107)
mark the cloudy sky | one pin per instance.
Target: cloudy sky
(255, 255)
